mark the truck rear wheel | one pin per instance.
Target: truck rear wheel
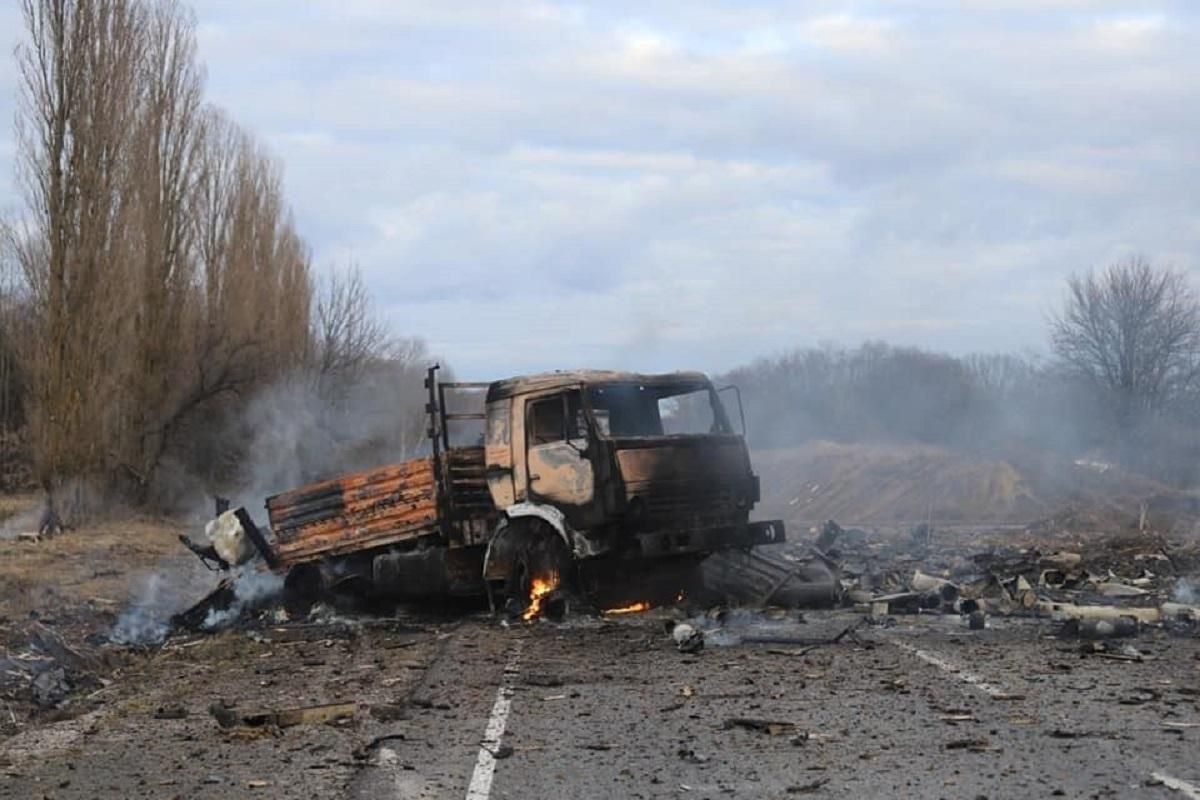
(301, 590)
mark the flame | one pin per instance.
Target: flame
(630, 609)
(679, 598)
(539, 588)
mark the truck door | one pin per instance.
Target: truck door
(558, 467)
(498, 453)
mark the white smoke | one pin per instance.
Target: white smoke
(21, 522)
(147, 620)
(251, 590)
(733, 626)
(1185, 592)
(173, 587)
(305, 427)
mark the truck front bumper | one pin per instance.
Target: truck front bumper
(677, 542)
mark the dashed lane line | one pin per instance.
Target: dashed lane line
(958, 672)
(485, 765)
(1189, 790)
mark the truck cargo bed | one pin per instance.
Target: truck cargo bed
(355, 512)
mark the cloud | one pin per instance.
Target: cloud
(541, 185)
(1128, 33)
(848, 32)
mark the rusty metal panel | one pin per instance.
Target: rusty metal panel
(713, 459)
(559, 474)
(499, 452)
(697, 484)
(472, 514)
(355, 512)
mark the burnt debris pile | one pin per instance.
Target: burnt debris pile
(1129, 580)
(39, 667)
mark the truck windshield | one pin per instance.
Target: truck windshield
(631, 409)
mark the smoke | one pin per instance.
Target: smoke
(21, 522)
(252, 590)
(1008, 437)
(879, 392)
(174, 589)
(157, 598)
(732, 626)
(1185, 592)
(310, 427)
(314, 422)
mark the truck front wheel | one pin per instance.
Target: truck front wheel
(540, 570)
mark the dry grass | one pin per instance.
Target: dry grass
(90, 566)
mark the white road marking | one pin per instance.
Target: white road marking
(1188, 789)
(485, 764)
(957, 671)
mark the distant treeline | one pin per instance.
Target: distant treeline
(987, 403)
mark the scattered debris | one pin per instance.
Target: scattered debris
(1100, 628)
(807, 788)
(979, 744)
(767, 726)
(170, 712)
(687, 637)
(1118, 579)
(51, 687)
(227, 717)
(766, 576)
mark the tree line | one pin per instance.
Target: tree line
(155, 280)
(1122, 384)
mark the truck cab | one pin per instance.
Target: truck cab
(624, 467)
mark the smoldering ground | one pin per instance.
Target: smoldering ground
(161, 596)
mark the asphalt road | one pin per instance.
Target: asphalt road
(599, 709)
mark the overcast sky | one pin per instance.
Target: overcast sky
(663, 185)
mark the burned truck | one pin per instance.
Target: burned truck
(612, 485)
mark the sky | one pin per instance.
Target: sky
(674, 185)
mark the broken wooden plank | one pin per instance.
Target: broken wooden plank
(284, 718)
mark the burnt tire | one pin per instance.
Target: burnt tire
(302, 590)
(538, 551)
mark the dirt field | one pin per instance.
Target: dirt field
(460, 705)
(887, 484)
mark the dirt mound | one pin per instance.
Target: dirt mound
(894, 484)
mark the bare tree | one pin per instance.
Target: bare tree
(160, 270)
(347, 335)
(79, 97)
(1133, 329)
(161, 188)
(10, 374)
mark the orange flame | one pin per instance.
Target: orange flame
(630, 609)
(539, 588)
